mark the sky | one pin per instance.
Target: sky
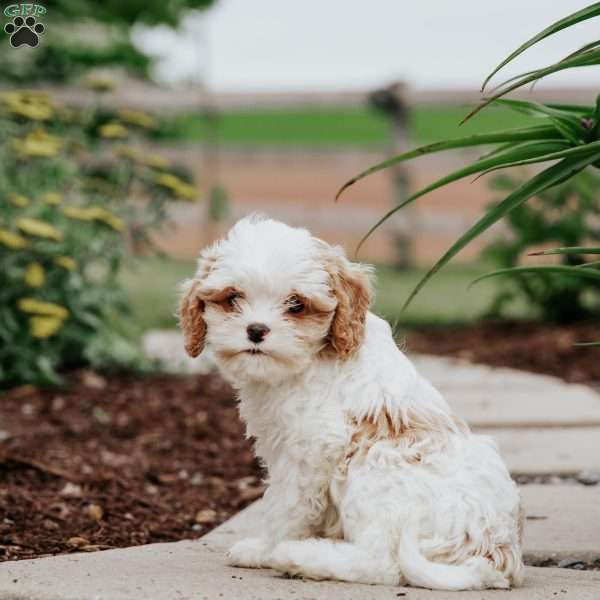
(341, 45)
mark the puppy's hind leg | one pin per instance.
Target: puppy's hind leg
(331, 559)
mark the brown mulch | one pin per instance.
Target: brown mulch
(120, 461)
(536, 347)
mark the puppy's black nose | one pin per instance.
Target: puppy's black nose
(257, 332)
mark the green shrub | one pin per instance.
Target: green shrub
(86, 34)
(567, 215)
(73, 202)
(567, 136)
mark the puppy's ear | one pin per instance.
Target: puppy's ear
(191, 317)
(351, 285)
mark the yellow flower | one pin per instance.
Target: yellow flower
(43, 327)
(126, 152)
(39, 228)
(52, 198)
(11, 97)
(35, 275)
(12, 240)
(66, 262)
(39, 307)
(176, 185)
(100, 84)
(92, 213)
(113, 130)
(150, 160)
(76, 212)
(101, 214)
(155, 160)
(168, 180)
(30, 105)
(38, 143)
(15, 97)
(19, 200)
(136, 117)
(35, 112)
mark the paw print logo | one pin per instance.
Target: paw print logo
(24, 32)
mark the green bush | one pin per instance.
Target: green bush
(88, 34)
(567, 215)
(73, 201)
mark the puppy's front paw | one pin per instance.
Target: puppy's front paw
(282, 554)
(250, 553)
(287, 556)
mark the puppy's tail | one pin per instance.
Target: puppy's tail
(476, 573)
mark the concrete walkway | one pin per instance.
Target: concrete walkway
(500, 397)
(562, 522)
(196, 571)
(543, 426)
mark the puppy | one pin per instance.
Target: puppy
(372, 479)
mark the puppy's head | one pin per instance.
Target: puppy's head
(270, 299)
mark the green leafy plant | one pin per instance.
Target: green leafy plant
(567, 136)
(73, 201)
(567, 215)
(588, 55)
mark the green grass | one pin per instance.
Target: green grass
(435, 123)
(293, 126)
(152, 289)
(446, 300)
(344, 126)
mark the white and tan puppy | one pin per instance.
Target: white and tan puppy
(372, 479)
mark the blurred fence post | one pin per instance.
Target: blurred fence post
(391, 101)
(217, 200)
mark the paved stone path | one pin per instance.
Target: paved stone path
(195, 571)
(543, 426)
(555, 450)
(501, 397)
(562, 522)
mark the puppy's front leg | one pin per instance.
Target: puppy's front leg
(289, 511)
(250, 553)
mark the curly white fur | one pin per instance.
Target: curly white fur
(372, 479)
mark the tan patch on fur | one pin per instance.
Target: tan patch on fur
(507, 560)
(191, 309)
(313, 318)
(406, 429)
(351, 286)
(191, 305)
(221, 299)
(313, 309)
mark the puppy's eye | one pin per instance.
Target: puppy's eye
(294, 305)
(232, 299)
